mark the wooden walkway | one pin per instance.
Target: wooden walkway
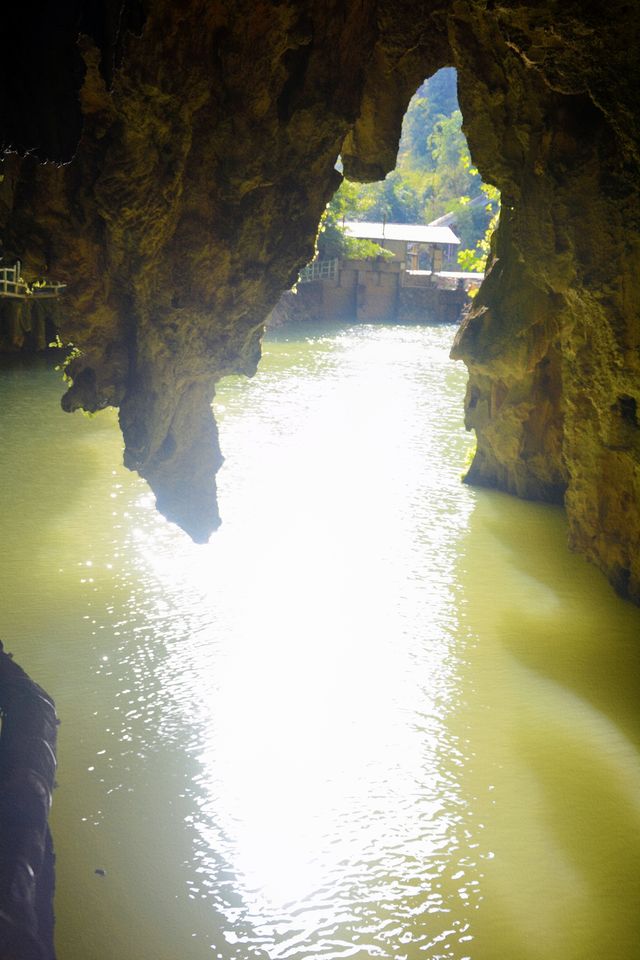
(13, 286)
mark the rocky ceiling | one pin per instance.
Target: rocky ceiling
(170, 161)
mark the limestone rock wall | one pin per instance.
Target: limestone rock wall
(552, 342)
(205, 160)
(201, 138)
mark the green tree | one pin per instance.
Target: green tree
(332, 239)
(435, 99)
(475, 260)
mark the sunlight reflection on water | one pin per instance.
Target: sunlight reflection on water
(314, 739)
(379, 715)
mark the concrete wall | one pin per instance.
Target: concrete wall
(375, 292)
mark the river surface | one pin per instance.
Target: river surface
(380, 715)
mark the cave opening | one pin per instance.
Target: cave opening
(314, 741)
(434, 182)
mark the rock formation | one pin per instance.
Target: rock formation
(552, 345)
(199, 141)
(28, 735)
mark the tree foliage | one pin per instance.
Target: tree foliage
(475, 260)
(332, 239)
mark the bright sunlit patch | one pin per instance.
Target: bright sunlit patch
(311, 736)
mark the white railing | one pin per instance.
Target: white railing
(319, 270)
(12, 285)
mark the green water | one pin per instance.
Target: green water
(380, 715)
